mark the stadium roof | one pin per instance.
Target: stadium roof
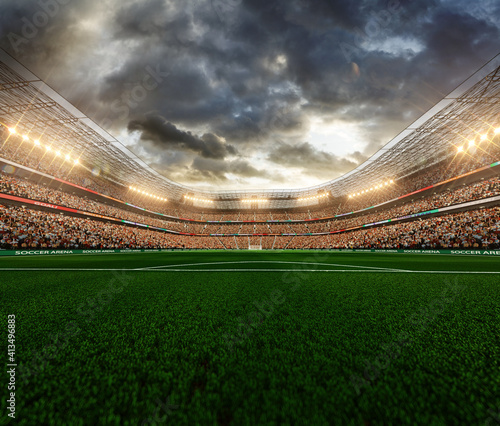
(33, 107)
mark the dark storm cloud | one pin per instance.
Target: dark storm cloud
(455, 40)
(218, 170)
(241, 75)
(305, 156)
(212, 171)
(165, 135)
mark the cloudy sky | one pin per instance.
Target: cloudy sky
(245, 94)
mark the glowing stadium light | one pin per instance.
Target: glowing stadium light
(76, 161)
(141, 191)
(460, 149)
(201, 200)
(36, 142)
(12, 130)
(471, 143)
(496, 131)
(484, 137)
(67, 157)
(58, 153)
(255, 200)
(48, 148)
(373, 188)
(313, 197)
(25, 137)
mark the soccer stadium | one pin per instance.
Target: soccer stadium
(129, 298)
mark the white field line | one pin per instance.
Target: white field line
(381, 271)
(269, 261)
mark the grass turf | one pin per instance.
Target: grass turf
(295, 347)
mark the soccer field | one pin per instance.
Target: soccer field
(245, 338)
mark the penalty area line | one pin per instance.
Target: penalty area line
(382, 271)
(271, 262)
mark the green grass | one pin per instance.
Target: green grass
(362, 348)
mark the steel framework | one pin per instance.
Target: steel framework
(470, 110)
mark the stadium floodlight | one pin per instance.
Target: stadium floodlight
(36, 142)
(460, 149)
(48, 148)
(471, 143)
(202, 200)
(497, 130)
(67, 157)
(391, 181)
(25, 137)
(58, 153)
(312, 197)
(484, 137)
(76, 161)
(12, 130)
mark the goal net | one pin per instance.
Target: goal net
(255, 247)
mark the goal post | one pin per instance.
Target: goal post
(255, 247)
